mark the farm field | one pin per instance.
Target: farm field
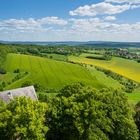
(107, 81)
(59, 57)
(124, 67)
(49, 73)
(52, 74)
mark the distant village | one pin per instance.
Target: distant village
(124, 53)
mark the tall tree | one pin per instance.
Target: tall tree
(22, 119)
(137, 116)
(83, 113)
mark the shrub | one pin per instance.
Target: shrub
(2, 71)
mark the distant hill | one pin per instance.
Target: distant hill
(77, 43)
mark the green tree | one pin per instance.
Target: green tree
(137, 116)
(22, 119)
(83, 113)
(26, 83)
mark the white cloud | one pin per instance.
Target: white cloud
(91, 25)
(30, 24)
(100, 9)
(18, 23)
(133, 3)
(110, 18)
(82, 29)
(52, 20)
(124, 1)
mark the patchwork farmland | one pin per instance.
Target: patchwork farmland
(124, 67)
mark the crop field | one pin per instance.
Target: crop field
(47, 72)
(124, 67)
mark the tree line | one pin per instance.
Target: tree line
(78, 112)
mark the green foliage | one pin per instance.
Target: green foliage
(83, 113)
(38, 87)
(17, 71)
(22, 119)
(107, 56)
(2, 71)
(137, 116)
(138, 61)
(1, 87)
(26, 84)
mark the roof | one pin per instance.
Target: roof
(8, 95)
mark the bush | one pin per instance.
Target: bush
(137, 116)
(26, 84)
(138, 61)
(84, 113)
(2, 71)
(17, 71)
(22, 119)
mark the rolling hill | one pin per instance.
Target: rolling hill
(49, 73)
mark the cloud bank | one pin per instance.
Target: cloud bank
(98, 21)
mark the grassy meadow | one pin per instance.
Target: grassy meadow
(54, 73)
(47, 72)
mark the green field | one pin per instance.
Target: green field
(59, 57)
(91, 54)
(107, 81)
(124, 67)
(53, 74)
(49, 73)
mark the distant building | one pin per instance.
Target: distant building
(8, 95)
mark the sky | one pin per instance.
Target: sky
(70, 20)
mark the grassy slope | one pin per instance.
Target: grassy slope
(124, 67)
(49, 73)
(57, 57)
(107, 81)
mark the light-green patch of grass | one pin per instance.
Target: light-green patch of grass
(107, 81)
(49, 73)
(134, 97)
(57, 57)
(90, 54)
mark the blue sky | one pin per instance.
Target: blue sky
(70, 20)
